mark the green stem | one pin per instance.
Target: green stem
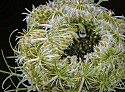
(80, 88)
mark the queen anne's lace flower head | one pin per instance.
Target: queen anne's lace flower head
(72, 46)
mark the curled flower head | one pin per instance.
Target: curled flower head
(72, 46)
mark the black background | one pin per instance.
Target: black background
(11, 18)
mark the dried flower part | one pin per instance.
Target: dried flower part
(72, 46)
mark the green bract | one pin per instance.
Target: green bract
(72, 46)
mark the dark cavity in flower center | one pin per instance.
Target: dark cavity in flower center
(85, 43)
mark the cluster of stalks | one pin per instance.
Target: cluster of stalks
(71, 46)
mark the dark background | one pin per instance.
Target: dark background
(11, 18)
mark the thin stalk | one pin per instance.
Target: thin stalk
(80, 88)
